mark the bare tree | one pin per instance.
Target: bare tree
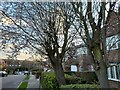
(93, 19)
(44, 27)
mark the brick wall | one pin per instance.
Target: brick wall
(114, 84)
(85, 59)
(113, 24)
(114, 55)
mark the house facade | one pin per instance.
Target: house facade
(113, 49)
(83, 60)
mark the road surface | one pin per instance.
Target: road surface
(12, 81)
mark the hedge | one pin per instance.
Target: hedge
(80, 87)
(73, 80)
(48, 81)
(87, 77)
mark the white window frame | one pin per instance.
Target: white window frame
(113, 68)
(73, 68)
(110, 41)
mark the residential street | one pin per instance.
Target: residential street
(12, 81)
(59, 45)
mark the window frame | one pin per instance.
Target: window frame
(114, 72)
(111, 40)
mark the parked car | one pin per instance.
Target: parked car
(3, 74)
(26, 72)
(19, 73)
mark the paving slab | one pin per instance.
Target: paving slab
(33, 83)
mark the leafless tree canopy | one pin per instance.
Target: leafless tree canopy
(42, 26)
(46, 28)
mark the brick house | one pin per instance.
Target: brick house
(83, 60)
(113, 49)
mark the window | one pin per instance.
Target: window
(114, 72)
(74, 68)
(118, 72)
(119, 44)
(112, 42)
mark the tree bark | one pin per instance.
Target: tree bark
(102, 76)
(100, 68)
(59, 72)
(78, 67)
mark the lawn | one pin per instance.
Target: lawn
(23, 86)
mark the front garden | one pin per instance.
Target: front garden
(74, 80)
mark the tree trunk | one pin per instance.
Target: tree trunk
(102, 76)
(59, 73)
(78, 67)
(100, 68)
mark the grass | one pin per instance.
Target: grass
(27, 77)
(23, 86)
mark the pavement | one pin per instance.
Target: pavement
(33, 83)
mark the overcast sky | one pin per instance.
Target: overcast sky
(22, 56)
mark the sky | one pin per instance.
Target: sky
(22, 56)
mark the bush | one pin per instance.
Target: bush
(80, 86)
(71, 73)
(27, 77)
(89, 77)
(73, 80)
(33, 72)
(86, 77)
(38, 74)
(48, 81)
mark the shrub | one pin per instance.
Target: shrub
(71, 73)
(89, 77)
(48, 81)
(86, 77)
(80, 86)
(38, 74)
(72, 80)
